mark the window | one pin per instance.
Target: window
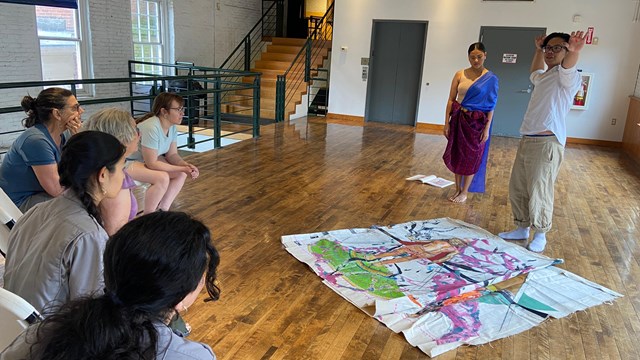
(147, 22)
(62, 44)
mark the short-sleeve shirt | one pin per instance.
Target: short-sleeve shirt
(152, 136)
(33, 147)
(551, 101)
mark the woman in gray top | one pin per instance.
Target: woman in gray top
(55, 249)
(154, 266)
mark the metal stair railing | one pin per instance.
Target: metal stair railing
(212, 88)
(300, 70)
(245, 54)
(203, 89)
(269, 26)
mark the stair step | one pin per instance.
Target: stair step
(265, 92)
(274, 72)
(285, 49)
(272, 65)
(288, 41)
(265, 103)
(278, 57)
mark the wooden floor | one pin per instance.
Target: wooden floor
(313, 176)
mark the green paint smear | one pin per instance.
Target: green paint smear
(354, 266)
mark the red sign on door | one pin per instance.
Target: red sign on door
(589, 38)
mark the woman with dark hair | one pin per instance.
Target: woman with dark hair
(467, 124)
(165, 170)
(55, 250)
(119, 123)
(29, 170)
(154, 266)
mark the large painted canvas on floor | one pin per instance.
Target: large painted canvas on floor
(444, 283)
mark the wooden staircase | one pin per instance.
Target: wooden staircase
(273, 62)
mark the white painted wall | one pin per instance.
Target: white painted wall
(194, 31)
(454, 24)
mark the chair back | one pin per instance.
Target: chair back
(16, 314)
(9, 214)
(8, 206)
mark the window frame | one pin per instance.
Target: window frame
(163, 37)
(84, 44)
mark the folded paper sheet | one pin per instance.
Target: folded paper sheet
(444, 283)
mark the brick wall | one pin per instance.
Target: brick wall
(233, 20)
(20, 61)
(205, 32)
(111, 42)
(194, 31)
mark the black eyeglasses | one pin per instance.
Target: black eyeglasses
(179, 109)
(76, 107)
(555, 48)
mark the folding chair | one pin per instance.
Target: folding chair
(16, 314)
(9, 213)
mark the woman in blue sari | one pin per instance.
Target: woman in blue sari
(467, 126)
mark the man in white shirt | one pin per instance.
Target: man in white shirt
(544, 135)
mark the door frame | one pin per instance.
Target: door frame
(371, 49)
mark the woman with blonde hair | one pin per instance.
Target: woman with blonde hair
(159, 152)
(119, 123)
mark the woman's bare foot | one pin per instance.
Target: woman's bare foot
(455, 195)
(462, 197)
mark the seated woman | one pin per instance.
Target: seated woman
(55, 250)
(29, 170)
(159, 152)
(154, 266)
(119, 123)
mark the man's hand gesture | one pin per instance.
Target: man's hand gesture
(576, 41)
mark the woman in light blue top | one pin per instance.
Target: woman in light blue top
(165, 170)
(29, 170)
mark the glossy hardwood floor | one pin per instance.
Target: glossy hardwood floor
(313, 176)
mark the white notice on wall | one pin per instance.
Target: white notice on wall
(509, 58)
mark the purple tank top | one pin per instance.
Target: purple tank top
(128, 183)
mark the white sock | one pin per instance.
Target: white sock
(517, 234)
(538, 243)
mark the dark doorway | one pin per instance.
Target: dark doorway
(509, 54)
(395, 64)
(296, 23)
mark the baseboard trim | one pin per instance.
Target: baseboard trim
(346, 118)
(437, 129)
(605, 143)
(429, 128)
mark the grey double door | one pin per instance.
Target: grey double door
(395, 71)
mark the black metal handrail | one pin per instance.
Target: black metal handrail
(300, 68)
(217, 82)
(268, 26)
